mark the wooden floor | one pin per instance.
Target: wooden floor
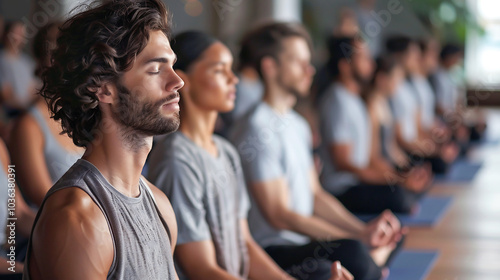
(468, 237)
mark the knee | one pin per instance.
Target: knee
(361, 264)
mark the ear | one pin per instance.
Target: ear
(106, 93)
(269, 67)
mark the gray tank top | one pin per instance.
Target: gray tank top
(57, 158)
(141, 237)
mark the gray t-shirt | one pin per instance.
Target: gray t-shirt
(426, 101)
(208, 195)
(275, 146)
(18, 73)
(404, 104)
(344, 120)
(446, 90)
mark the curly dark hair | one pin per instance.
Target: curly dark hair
(95, 47)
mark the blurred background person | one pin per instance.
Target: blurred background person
(291, 212)
(365, 12)
(17, 81)
(249, 90)
(41, 153)
(386, 78)
(354, 171)
(449, 102)
(406, 107)
(347, 24)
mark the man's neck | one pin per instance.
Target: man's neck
(199, 125)
(350, 84)
(279, 99)
(119, 163)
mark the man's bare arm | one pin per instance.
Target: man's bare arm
(71, 239)
(198, 261)
(272, 199)
(262, 266)
(327, 207)
(341, 154)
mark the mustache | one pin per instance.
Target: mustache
(168, 98)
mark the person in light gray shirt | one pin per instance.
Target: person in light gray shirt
(344, 118)
(426, 101)
(404, 105)
(288, 138)
(201, 172)
(413, 110)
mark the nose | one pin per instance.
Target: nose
(176, 83)
(311, 70)
(234, 78)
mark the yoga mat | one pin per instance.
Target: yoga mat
(460, 171)
(430, 211)
(412, 265)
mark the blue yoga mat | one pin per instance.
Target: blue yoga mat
(431, 211)
(412, 265)
(460, 171)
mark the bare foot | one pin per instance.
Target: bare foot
(381, 254)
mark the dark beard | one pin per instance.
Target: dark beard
(362, 82)
(288, 88)
(139, 119)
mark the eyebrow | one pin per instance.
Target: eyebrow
(160, 60)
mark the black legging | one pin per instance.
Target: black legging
(374, 199)
(314, 260)
(11, 276)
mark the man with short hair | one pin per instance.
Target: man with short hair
(112, 87)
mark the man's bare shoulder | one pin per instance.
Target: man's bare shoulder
(71, 237)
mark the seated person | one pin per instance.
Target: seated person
(386, 77)
(292, 216)
(42, 155)
(17, 83)
(25, 217)
(355, 172)
(248, 91)
(102, 219)
(448, 98)
(410, 134)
